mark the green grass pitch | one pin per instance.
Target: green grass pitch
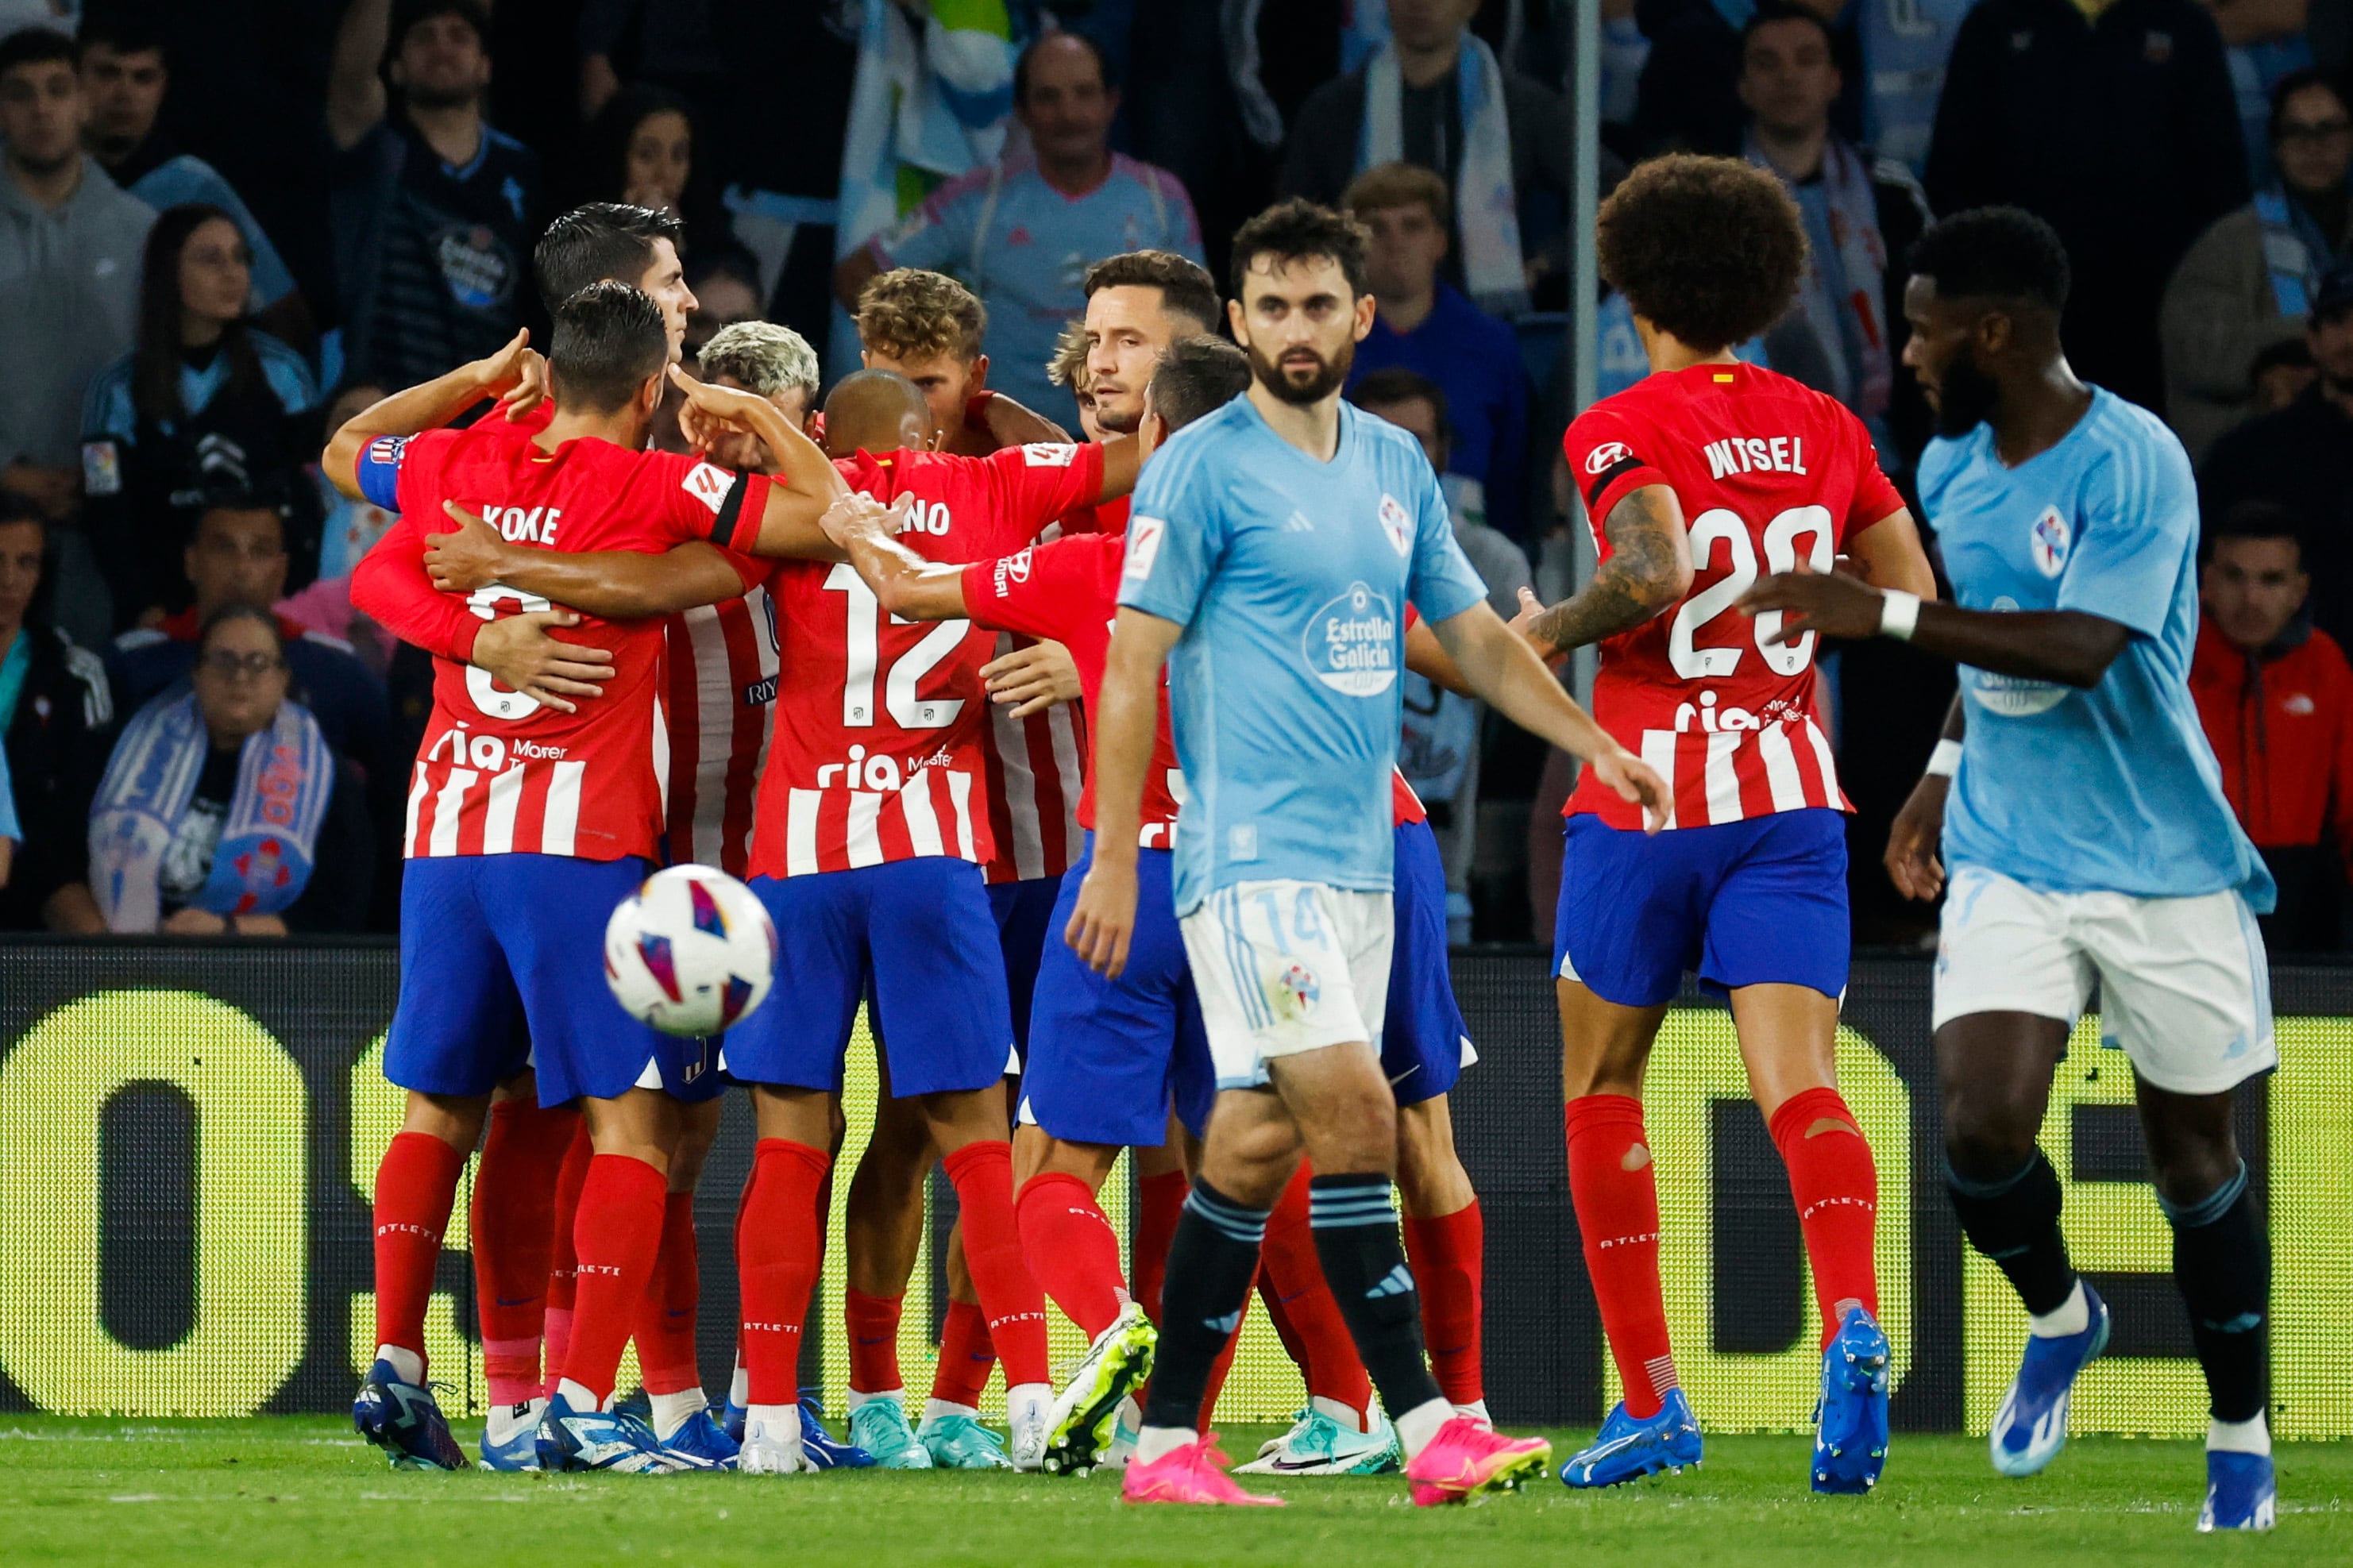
(303, 1490)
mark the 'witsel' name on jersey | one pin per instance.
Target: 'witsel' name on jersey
(1756, 455)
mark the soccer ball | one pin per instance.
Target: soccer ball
(691, 952)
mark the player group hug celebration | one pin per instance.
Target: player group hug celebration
(1236, 965)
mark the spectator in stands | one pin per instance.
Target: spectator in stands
(1427, 325)
(1435, 96)
(2301, 458)
(2276, 700)
(224, 811)
(11, 832)
(125, 74)
(1414, 403)
(69, 239)
(237, 556)
(2248, 282)
(202, 404)
(1845, 333)
(726, 287)
(2280, 372)
(57, 717)
(1021, 232)
(434, 212)
(350, 531)
(2114, 125)
(641, 149)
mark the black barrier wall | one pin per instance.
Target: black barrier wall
(188, 1137)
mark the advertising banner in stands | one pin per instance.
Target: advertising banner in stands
(189, 1134)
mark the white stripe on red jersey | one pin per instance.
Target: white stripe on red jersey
(1035, 773)
(1710, 783)
(721, 708)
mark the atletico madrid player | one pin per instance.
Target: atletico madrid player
(527, 823)
(1697, 481)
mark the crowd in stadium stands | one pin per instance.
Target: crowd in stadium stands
(225, 227)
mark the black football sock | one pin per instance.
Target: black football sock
(1364, 1262)
(1212, 1263)
(2222, 1262)
(2014, 1221)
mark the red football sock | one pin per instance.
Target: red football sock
(1159, 1200)
(563, 1260)
(1071, 1248)
(779, 1260)
(1836, 1189)
(872, 1322)
(513, 1228)
(1288, 1264)
(1448, 1254)
(617, 1235)
(674, 1298)
(966, 1356)
(983, 1175)
(415, 1186)
(1616, 1199)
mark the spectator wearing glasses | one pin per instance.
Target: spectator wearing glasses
(57, 716)
(2248, 282)
(224, 811)
(125, 75)
(237, 556)
(204, 404)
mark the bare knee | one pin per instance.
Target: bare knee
(455, 1119)
(1430, 1175)
(1989, 1136)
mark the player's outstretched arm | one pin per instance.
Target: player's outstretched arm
(1649, 568)
(2073, 648)
(1104, 918)
(617, 584)
(905, 584)
(1498, 665)
(1911, 859)
(804, 481)
(1890, 556)
(1426, 656)
(515, 375)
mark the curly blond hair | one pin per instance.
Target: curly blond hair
(911, 314)
(1069, 365)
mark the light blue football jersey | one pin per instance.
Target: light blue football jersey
(1291, 579)
(2114, 789)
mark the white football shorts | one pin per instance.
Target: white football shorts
(1283, 967)
(2184, 985)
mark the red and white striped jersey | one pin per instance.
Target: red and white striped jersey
(1769, 473)
(719, 701)
(497, 772)
(877, 749)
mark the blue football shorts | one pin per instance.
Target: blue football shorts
(1424, 1044)
(1757, 902)
(494, 945)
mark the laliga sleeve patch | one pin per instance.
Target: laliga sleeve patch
(708, 483)
(1048, 455)
(1143, 547)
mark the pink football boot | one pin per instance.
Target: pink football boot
(1467, 1457)
(1195, 1473)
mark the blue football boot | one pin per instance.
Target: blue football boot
(519, 1451)
(823, 1450)
(1626, 1448)
(404, 1420)
(605, 1440)
(701, 1436)
(2030, 1426)
(2240, 1493)
(1851, 1421)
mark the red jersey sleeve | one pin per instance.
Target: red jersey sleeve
(1036, 485)
(699, 499)
(1876, 498)
(1609, 454)
(389, 586)
(1067, 591)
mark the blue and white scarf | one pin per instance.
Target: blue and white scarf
(284, 779)
(1842, 299)
(2295, 253)
(1487, 206)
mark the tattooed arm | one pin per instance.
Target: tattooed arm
(1649, 568)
